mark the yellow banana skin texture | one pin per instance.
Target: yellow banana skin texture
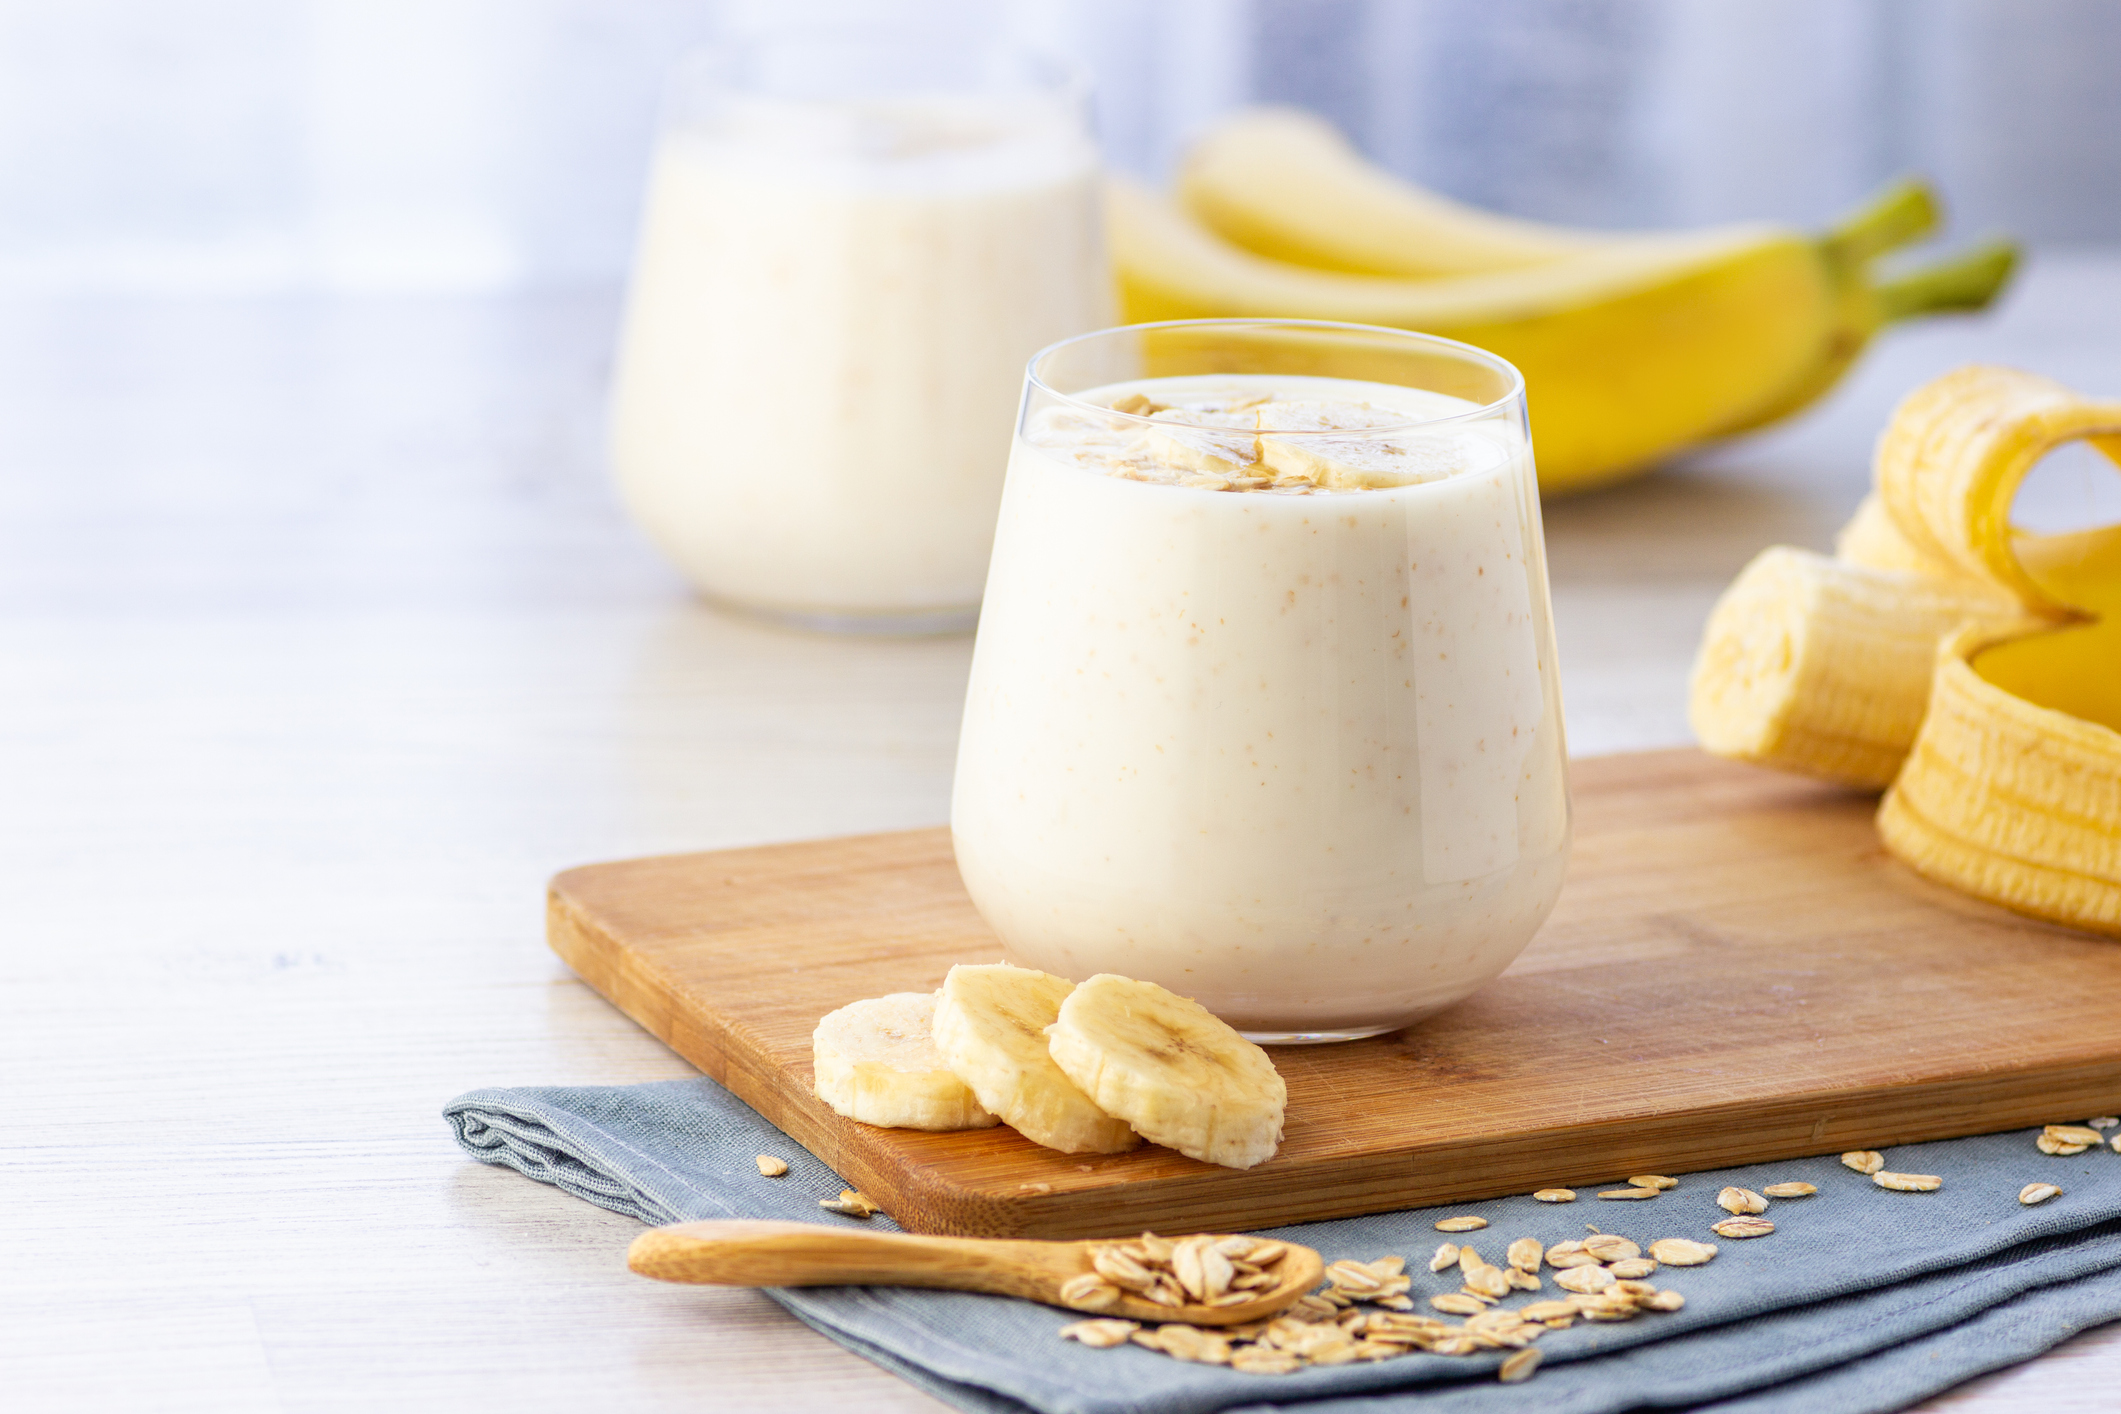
(1287, 185)
(1630, 351)
(2010, 801)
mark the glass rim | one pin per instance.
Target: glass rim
(1062, 78)
(1514, 393)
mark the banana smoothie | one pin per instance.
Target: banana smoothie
(1264, 706)
(829, 313)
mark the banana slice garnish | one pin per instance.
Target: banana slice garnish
(876, 1061)
(990, 1026)
(1171, 1069)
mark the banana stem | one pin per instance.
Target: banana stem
(1969, 280)
(1903, 212)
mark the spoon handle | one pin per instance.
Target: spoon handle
(745, 1253)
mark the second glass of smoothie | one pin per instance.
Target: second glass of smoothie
(1264, 706)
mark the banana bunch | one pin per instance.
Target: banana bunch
(1093, 1069)
(1972, 669)
(1633, 347)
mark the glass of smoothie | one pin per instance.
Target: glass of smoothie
(851, 245)
(1263, 704)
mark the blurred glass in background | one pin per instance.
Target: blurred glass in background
(228, 145)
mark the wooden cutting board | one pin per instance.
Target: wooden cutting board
(1736, 972)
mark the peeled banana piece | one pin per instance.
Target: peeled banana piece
(1171, 1069)
(876, 1061)
(1823, 667)
(2011, 785)
(990, 1025)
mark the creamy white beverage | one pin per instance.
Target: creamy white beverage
(829, 317)
(1264, 705)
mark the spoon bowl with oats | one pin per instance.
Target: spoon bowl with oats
(1209, 1279)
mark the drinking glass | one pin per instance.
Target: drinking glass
(1293, 751)
(851, 245)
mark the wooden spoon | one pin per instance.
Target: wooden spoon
(737, 1253)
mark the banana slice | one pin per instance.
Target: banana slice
(876, 1061)
(1171, 1069)
(990, 1026)
(1195, 440)
(1353, 462)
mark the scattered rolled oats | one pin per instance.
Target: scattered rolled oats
(1555, 1195)
(1548, 1310)
(1743, 1227)
(1519, 1367)
(1682, 1251)
(1610, 1247)
(1665, 1301)
(1653, 1180)
(1633, 1268)
(1908, 1182)
(2074, 1134)
(1864, 1160)
(1789, 1190)
(1563, 1255)
(2038, 1193)
(1467, 1223)
(1100, 1335)
(1585, 1280)
(1741, 1201)
(1488, 1281)
(1522, 1280)
(1265, 1360)
(2103, 1122)
(1457, 1303)
(770, 1166)
(1524, 1254)
(851, 1203)
(1631, 1194)
(2064, 1148)
(1446, 1256)
(1089, 1292)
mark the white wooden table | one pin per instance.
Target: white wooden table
(321, 646)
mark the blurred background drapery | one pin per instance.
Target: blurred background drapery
(227, 145)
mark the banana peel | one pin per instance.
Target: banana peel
(2010, 786)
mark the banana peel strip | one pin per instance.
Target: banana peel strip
(2010, 788)
(2010, 801)
(1951, 459)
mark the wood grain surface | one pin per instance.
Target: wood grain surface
(1736, 972)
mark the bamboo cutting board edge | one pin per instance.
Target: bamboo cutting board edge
(641, 970)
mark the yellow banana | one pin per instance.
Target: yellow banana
(1285, 184)
(2011, 788)
(1630, 350)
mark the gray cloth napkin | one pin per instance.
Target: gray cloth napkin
(1861, 1300)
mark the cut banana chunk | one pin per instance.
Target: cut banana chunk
(1824, 667)
(1353, 462)
(1171, 1069)
(990, 1026)
(876, 1061)
(1192, 440)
